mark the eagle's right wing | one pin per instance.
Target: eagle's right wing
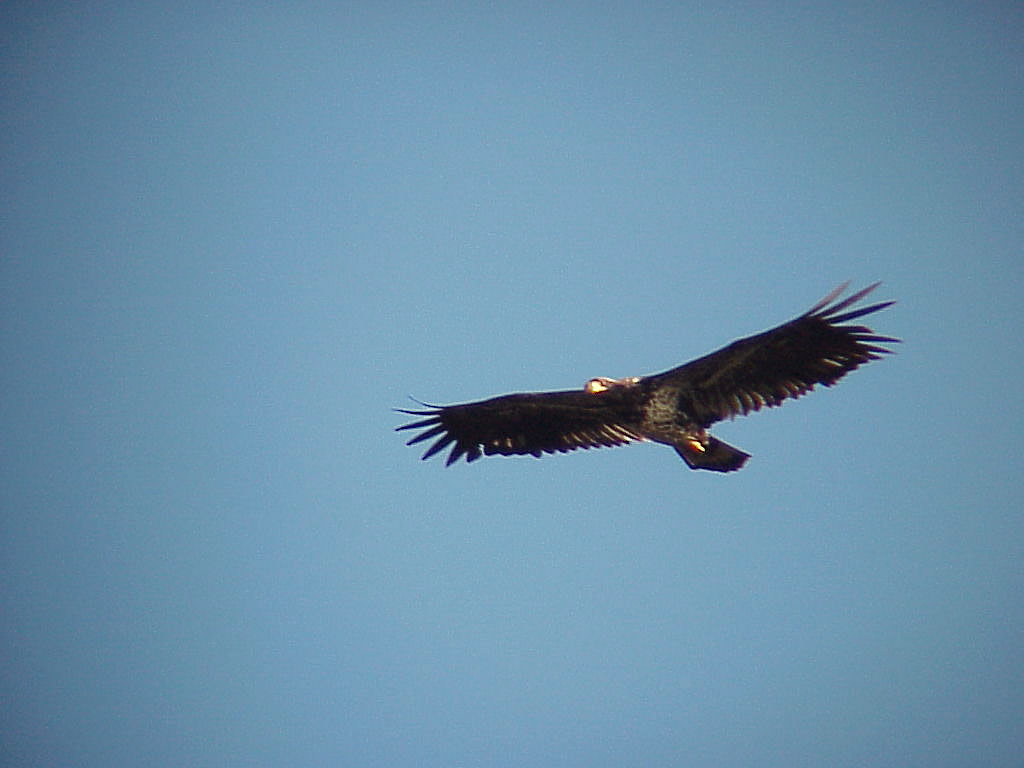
(529, 423)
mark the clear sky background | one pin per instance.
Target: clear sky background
(234, 236)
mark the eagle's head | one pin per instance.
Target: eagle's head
(603, 384)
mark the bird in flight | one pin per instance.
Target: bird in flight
(675, 407)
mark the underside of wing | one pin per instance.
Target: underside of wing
(818, 347)
(531, 423)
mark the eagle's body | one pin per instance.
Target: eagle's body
(675, 407)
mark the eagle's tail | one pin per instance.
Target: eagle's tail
(711, 453)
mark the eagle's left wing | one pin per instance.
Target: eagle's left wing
(785, 362)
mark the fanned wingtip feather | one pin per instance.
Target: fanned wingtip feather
(854, 313)
(435, 430)
(434, 427)
(440, 445)
(825, 307)
(433, 412)
(836, 293)
(417, 424)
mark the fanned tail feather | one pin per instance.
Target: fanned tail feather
(716, 456)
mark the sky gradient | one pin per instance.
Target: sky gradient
(235, 236)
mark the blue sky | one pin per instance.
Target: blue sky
(235, 236)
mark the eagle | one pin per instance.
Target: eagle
(675, 407)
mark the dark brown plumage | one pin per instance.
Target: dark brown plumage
(675, 407)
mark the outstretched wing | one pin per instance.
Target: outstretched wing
(787, 361)
(533, 423)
